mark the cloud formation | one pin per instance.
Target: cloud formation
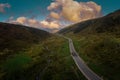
(62, 13)
(51, 25)
(55, 15)
(75, 11)
(3, 6)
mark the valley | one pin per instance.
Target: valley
(32, 54)
(97, 42)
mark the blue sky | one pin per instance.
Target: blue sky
(37, 9)
(30, 8)
(27, 8)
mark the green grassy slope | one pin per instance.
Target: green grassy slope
(31, 54)
(60, 63)
(49, 60)
(98, 43)
(14, 38)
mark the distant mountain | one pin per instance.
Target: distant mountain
(17, 37)
(109, 23)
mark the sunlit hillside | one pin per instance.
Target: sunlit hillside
(97, 42)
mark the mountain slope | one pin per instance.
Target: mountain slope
(98, 43)
(18, 45)
(31, 54)
(17, 38)
(109, 23)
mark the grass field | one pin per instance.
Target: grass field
(48, 60)
(100, 52)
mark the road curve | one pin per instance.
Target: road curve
(86, 71)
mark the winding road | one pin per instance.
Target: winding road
(86, 71)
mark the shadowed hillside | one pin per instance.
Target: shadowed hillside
(98, 43)
(15, 37)
(18, 44)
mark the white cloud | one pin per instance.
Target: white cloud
(54, 15)
(75, 11)
(53, 6)
(51, 25)
(3, 6)
(22, 20)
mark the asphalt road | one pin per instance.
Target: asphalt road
(86, 71)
